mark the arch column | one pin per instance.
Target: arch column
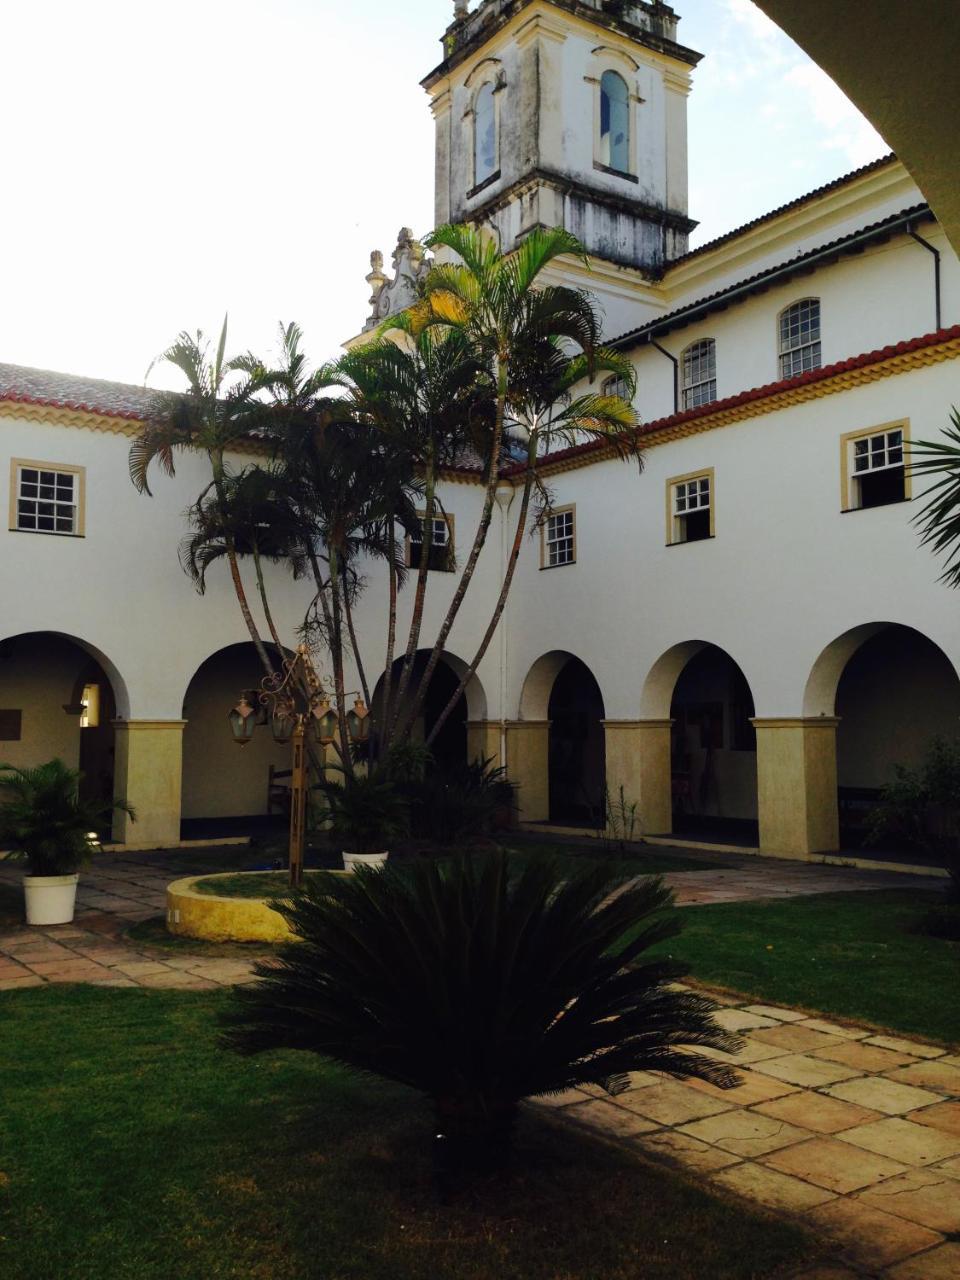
(149, 769)
(528, 766)
(797, 786)
(638, 760)
(483, 741)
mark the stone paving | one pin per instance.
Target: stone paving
(857, 1134)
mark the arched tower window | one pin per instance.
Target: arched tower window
(614, 122)
(484, 135)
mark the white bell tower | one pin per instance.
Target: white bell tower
(567, 113)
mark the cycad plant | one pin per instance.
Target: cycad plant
(43, 819)
(480, 983)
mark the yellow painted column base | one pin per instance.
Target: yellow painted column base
(638, 760)
(797, 786)
(483, 741)
(149, 769)
(528, 765)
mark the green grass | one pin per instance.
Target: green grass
(852, 954)
(151, 935)
(271, 884)
(134, 1148)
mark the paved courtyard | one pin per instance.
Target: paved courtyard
(857, 1134)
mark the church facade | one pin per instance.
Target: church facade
(743, 640)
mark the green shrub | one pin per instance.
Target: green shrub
(43, 819)
(479, 985)
(459, 802)
(922, 807)
(367, 814)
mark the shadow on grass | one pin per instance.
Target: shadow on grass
(138, 1148)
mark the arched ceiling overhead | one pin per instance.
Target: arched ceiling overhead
(897, 61)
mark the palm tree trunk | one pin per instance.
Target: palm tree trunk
(348, 614)
(263, 600)
(384, 744)
(336, 650)
(403, 722)
(501, 600)
(216, 462)
(479, 541)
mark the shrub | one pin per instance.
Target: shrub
(44, 820)
(459, 802)
(479, 985)
(922, 807)
(367, 814)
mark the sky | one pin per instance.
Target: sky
(165, 164)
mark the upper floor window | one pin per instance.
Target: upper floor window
(800, 338)
(699, 373)
(440, 554)
(614, 122)
(616, 386)
(874, 471)
(558, 538)
(46, 498)
(484, 134)
(690, 507)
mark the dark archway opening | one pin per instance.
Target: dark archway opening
(449, 748)
(713, 759)
(57, 702)
(897, 693)
(577, 763)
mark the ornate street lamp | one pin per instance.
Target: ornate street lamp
(243, 719)
(295, 698)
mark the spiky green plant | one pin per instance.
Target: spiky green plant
(939, 518)
(43, 819)
(481, 983)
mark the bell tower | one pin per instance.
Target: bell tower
(567, 113)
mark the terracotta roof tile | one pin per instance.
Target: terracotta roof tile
(24, 385)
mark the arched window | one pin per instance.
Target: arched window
(699, 373)
(484, 135)
(800, 338)
(614, 122)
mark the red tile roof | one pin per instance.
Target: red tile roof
(759, 393)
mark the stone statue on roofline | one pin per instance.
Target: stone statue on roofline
(410, 265)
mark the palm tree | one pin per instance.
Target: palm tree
(534, 341)
(218, 412)
(939, 518)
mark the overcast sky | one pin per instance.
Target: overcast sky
(164, 163)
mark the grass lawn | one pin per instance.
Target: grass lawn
(134, 1147)
(641, 862)
(852, 954)
(271, 884)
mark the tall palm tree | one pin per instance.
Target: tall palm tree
(939, 518)
(218, 412)
(534, 341)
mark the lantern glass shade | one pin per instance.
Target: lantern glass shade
(358, 722)
(324, 721)
(243, 720)
(283, 722)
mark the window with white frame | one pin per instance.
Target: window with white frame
(800, 338)
(440, 554)
(614, 122)
(559, 539)
(876, 468)
(484, 134)
(691, 507)
(48, 499)
(616, 386)
(699, 373)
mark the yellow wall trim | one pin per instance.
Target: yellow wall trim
(131, 726)
(797, 722)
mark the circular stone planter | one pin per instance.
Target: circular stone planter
(191, 914)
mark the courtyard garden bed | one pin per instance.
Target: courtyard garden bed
(856, 955)
(171, 1157)
(231, 907)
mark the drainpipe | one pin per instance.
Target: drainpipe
(936, 270)
(676, 371)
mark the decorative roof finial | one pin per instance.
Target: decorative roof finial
(460, 10)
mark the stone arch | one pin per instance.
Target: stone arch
(44, 676)
(227, 789)
(820, 693)
(452, 743)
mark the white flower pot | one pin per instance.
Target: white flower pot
(50, 899)
(351, 860)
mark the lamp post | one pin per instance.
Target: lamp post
(295, 700)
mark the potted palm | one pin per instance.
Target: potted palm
(44, 821)
(367, 815)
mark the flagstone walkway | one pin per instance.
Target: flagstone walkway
(856, 1134)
